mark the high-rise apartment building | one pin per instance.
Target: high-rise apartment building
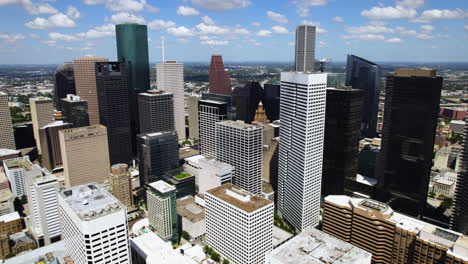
(305, 49)
(271, 101)
(158, 153)
(162, 210)
(94, 225)
(246, 98)
(120, 182)
(170, 78)
(18, 172)
(7, 138)
(114, 110)
(459, 218)
(42, 113)
(49, 138)
(156, 111)
(85, 84)
(192, 105)
(209, 113)
(405, 159)
(64, 83)
(209, 173)
(240, 145)
(85, 155)
(220, 81)
(74, 110)
(239, 224)
(302, 115)
(365, 75)
(341, 143)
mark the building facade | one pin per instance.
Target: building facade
(64, 83)
(220, 81)
(7, 137)
(18, 172)
(42, 113)
(74, 110)
(271, 100)
(156, 111)
(120, 181)
(209, 113)
(49, 138)
(246, 99)
(459, 218)
(10, 223)
(305, 49)
(162, 210)
(192, 106)
(209, 173)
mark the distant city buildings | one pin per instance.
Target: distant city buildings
(220, 81)
(120, 182)
(64, 83)
(74, 110)
(42, 113)
(209, 113)
(162, 210)
(7, 138)
(156, 111)
(304, 60)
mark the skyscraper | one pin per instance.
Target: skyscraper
(162, 210)
(42, 113)
(365, 75)
(7, 138)
(74, 110)
(240, 145)
(64, 83)
(114, 109)
(85, 83)
(120, 181)
(156, 111)
(459, 218)
(271, 101)
(228, 99)
(246, 98)
(170, 78)
(305, 49)
(192, 105)
(49, 137)
(85, 155)
(302, 115)
(209, 112)
(220, 81)
(18, 171)
(341, 143)
(405, 159)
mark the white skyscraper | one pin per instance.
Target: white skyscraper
(209, 173)
(240, 145)
(209, 112)
(302, 115)
(18, 170)
(170, 78)
(94, 225)
(239, 225)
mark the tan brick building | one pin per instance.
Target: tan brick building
(10, 224)
(42, 113)
(120, 182)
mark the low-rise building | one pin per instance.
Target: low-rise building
(21, 242)
(193, 217)
(457, 126)
(52, 254)
(10, 224)
(18, 171)
(209, 173)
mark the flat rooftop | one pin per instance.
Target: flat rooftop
(239, 198)
(57, 249)
(10, 217)
(4, 152)
(239, 124)
(313, 246)
(155, 93)
(187, 208)
(23, 163)
(162, 187)
(56, 124)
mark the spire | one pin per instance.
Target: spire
(260, 116)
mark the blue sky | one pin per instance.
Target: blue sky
(54, 31)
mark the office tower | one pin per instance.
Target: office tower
(18, 172)
(114, 110)
(49, 138)
(336, 79)
(94, 225)
(459, 218)
(405, 159)
(302, 115)
(271, 101)
(74, 110)
(120, 182)
(246, 99)
(158, 153)
(162, 210)
(305, 49)
(85, 155)
(231, 107)
(64, 83)
(156, 110)
(193, 117)
(239, 224)
(220, 81)
(209, 113)
(6, 196)
(209, 173)
(85, 83)
(42, 113)
(7, 139)
(365, 75)
(24, 136)
(390, 236)
(341, 143)
(240, 145)
(43, 208)
(170, 78)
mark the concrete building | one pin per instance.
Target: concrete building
(240, 145)
(42, 113)
(302, 118)
(313, 246)
(19, 171)
(459, 218)
(120, 182)
(170, 78)
(10, 223)
(85, 83)
(156, 110)
(6, 197)
(239, 224)
(192, 216)
(192, 105)
(52, 254)
(74, 110)
(162, 210)
(49, 140)
(304, 60)
(209, 113)
(94, 225)
(9, 154)
(85, 155)
(391, 237)
(220, 81)
(7, 138)
(457, 126)
(209, 173)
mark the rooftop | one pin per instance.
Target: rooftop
(162, 187)
(10, 217)
(16, 163)
(182, 175)
(4, 152)
(187, 152)
(459, 122)
(187, 208)
(239, 198)
(366, 180)
(238, 124)
(422, 72)
(155, 93)
(55, 124)
(57, 249)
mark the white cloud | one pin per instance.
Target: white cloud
(303, 6)
(124, 17)
(369, 29)
(242, 31)
(434, 14)
(50, 43)
(389, 12)
(406, 32)
(291, 43)
(159, 24)
(318, 29)
(264, 33)
(253, 41)
(280, 30)
(427, 27)
(277, 17)
(338, 19)
(211, 30)
(365, 37)
(411, 3)
(187, 11)
(55, 21)
(424, 36)
(213, 42)
(73, 13)
(221, 5)
(125, 5)
(181, 32)
(322, 44)
(34, 36)
(207, 20)
(256, 24)
(62, 37)
(11, 38)
(94, 2)
(30, 7)
(466, 27)
(107, 30)
(394, 40)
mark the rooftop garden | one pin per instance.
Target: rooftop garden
(182, 175)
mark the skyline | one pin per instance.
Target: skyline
(240, 30)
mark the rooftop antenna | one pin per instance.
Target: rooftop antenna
(162, 47)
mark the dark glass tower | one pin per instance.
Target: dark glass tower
(404, 164)
(156, 111)
(230, 104)
(75, 111)
(64, 83)
(271, 100)
(342, 123)
(459, 219)
(132, 49)
(365, 75)
(114, 109)
(246, 98)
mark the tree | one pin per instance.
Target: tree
(215, 256)
(186, 235)
(432, 194)
(18, 206)
(225, 261)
